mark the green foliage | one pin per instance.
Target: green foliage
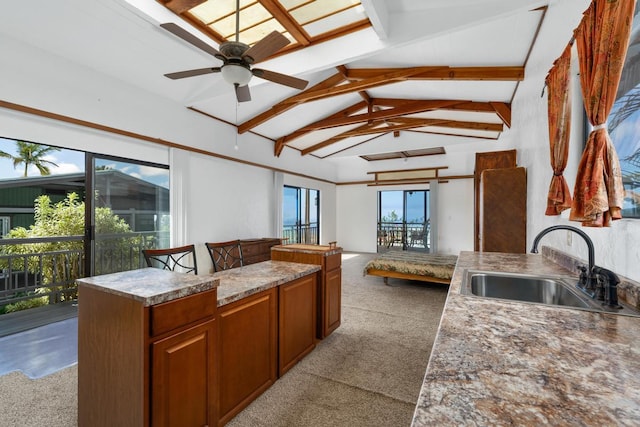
(392, 217)
(25, 304)
(62, 264)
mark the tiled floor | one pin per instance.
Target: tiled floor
(40, 351)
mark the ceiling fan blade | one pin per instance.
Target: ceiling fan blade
(189, 38)
(282, 79)
(242, 93)
(270, 44)
(192, 73)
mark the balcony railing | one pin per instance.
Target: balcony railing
(301, 233)
(404, 235)
(49, 275)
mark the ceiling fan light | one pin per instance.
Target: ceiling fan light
(236, 74)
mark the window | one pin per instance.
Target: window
(300, 215)
(624, 123)
(5, 225)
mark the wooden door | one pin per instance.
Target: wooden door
(183, 378)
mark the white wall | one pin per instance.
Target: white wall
(455, 216)
(227, 201)
(356, 207)
(357, 216)
(616, 247)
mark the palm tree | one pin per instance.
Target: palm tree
(33, 154)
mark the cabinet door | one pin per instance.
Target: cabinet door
(183, 378)
(333, 299)
(247, 351)
(297, 321)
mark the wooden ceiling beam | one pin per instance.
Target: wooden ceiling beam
(503, 111)
(181, 6)
(411, 107)
(346, 112)
(493, 127)
(367, 129)
(281, 15)
(445, 73)
(402, 123)
(379, 80)
(333, 140)
(285, 105)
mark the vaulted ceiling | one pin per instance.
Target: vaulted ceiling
(460, 84)
(386, 79)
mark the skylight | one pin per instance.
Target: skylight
(304, 22)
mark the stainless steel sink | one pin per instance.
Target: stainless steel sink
(542, 290)
(548, 290)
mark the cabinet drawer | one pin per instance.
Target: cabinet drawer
(175, 314)
(333, 261)
(250, 248)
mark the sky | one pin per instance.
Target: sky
(72, 161)
(626, 137)
(393, 201)
(68, 161)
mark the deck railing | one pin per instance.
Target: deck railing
(43, 272)
(301, 233)
(404, 235)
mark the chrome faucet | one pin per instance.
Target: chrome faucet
(590, 278)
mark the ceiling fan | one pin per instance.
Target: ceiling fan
(237, 59)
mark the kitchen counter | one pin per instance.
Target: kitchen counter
(498, 362)
(325, 250)
(150, 286)
(238, 283)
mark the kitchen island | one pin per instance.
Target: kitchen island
(162, 348)
(497, 362)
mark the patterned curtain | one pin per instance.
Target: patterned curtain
(602, 39)
(559, 100)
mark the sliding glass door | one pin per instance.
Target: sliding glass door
(403, 220)
(300, 215)
(129, 212)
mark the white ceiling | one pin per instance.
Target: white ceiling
(122, 39)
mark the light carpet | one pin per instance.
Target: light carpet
(367, 373)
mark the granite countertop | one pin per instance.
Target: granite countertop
(238, 283)
(498, 362)
(326, 250)
(151, 285)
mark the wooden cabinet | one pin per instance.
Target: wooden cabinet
(140, 366)
(329, 292)
(183, 378)
(296, 321)
(503, 210)
(257, 250)
(247, 355)
(489, 160)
